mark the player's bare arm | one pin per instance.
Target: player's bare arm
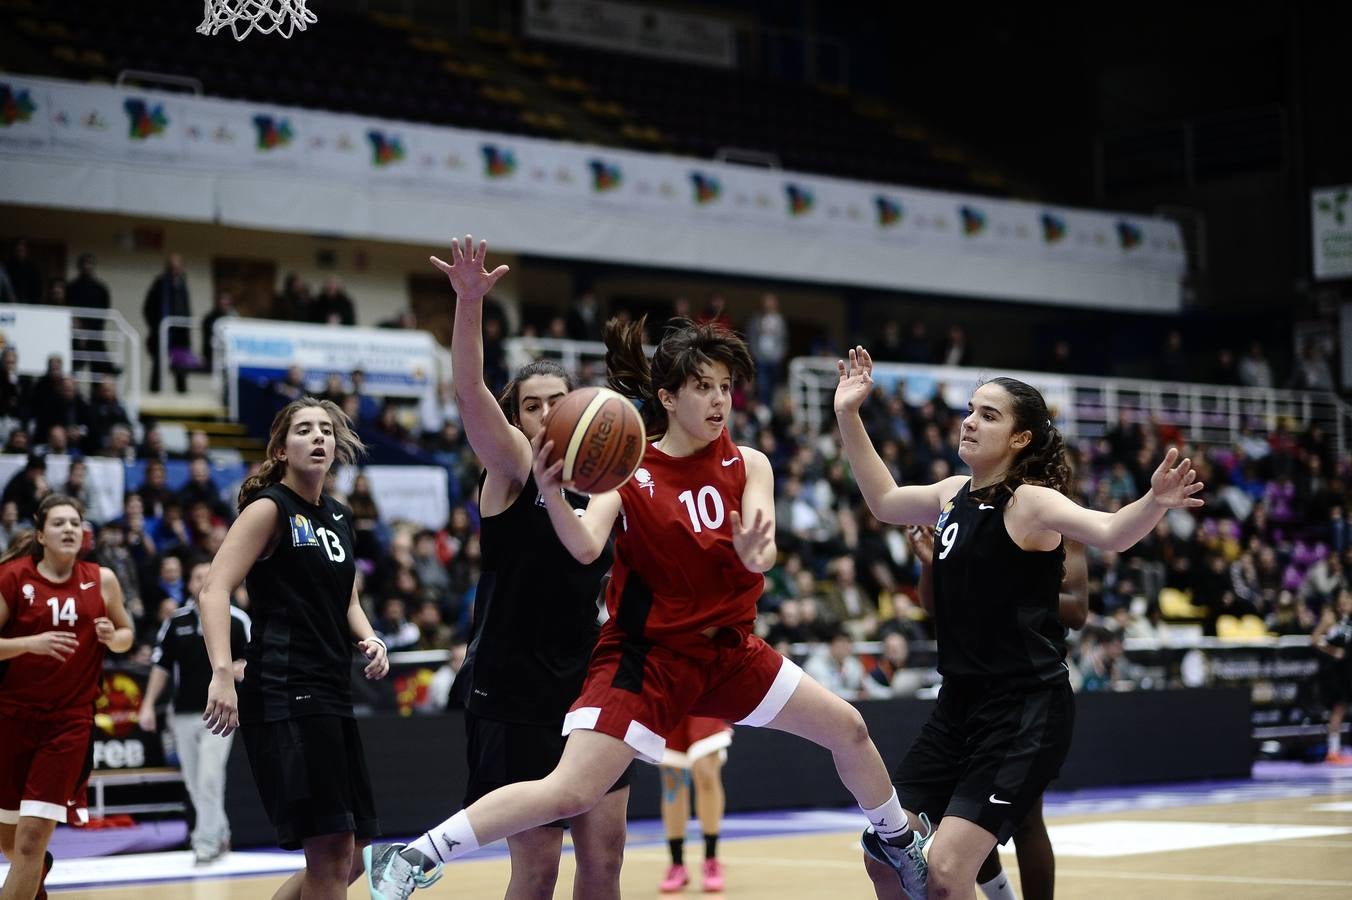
(501, 447)
(584, 536)
(245, 543)
(113, 630)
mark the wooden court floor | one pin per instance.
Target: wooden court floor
(1233, 851)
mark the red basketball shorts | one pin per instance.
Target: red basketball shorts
(44, 766)
(695, 738)
(639, 691)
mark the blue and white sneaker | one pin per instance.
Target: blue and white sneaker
(391, 877)
(908, 862)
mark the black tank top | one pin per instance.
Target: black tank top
(535, 614)
(300, 650)
(995, 604)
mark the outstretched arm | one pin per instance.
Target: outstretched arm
(1041, 512)
(909, 505)
(502, 448)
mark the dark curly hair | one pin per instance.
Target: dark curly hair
(684, 347)
(1043, 460)
(510, 398)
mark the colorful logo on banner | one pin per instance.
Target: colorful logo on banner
(15, 106)
(115, 710)
(386, 149)
(273, 133)
(1335, 206)
(706, 187)
(889, 211)
(1053, 228)
(145, 121)
(605, 176)
(973, 220)
(1129, 235)
(498, 163)
(800, 199)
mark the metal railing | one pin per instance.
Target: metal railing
(120, 354)
(1087, 407)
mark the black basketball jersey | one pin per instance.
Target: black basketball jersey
(996, 605)
(535, 616)
(300, 652)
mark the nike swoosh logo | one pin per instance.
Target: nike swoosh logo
(984, 506)
(86, 585)
(1000, 802)
(728, 462)
(337, 517)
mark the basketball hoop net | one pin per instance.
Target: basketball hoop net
(263, 16)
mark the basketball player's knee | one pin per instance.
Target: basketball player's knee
(601, 867)
(572, 800)
(854, 730)
(947, 875)
(535, 876)
(27, 843)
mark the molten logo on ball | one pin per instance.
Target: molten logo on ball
(597, 440)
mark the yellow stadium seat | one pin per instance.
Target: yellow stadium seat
(1176, 604)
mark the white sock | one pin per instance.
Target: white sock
(999, 888)
(1335, 743)
(889, 820)
(450, 840)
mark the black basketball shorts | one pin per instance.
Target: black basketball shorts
(502, 753)
(312, 778)
(987, 753)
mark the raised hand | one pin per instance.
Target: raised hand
(1174, 485)
(466, 270)
(750, 540)
(921, 539)
(856, 380)
(57, 644)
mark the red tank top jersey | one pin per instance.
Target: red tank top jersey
(676, 571)
(33, 684)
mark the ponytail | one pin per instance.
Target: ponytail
(685, 347)
(270, 472)
(26, 544)
(628, 371)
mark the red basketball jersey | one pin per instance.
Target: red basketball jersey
(676, 571)
(33, 684)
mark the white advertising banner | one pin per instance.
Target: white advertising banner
(1331, 212)
(260, 166)
(396, 363)
(37, 333)
(416, 494)
(645, 30)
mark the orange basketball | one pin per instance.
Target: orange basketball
(599, 436)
